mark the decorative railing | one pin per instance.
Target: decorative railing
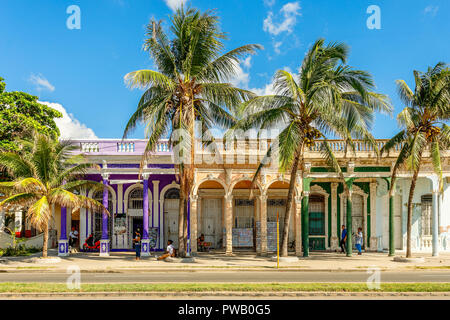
(115, 146)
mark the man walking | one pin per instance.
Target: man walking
(343, 239)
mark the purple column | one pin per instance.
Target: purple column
(63, 223)
(105, 215)
(145, 206)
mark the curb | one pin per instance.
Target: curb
(224, 270)
(224, 294)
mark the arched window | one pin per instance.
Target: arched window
(136, 199)
(173, 193)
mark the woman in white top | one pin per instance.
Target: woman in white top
(359, 240)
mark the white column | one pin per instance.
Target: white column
(263, 223)
(18, 222)
(156, 213)
(229, 223)
(435, 223)
(193, 222)
(120, 198)
(334, 237)
(435, 215)
(373, 245)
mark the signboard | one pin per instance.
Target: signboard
(120, 224)
(153, 234)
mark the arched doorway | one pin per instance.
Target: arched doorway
(317, 225)
(171, 211)
(358, 216)
(210, 220)
(276, 203)
(135, 207)
(244, 216)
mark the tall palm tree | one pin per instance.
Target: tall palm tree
(327, 97)
(190, 84)
(423, 128)
(46, 172)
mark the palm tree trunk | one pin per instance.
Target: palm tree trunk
(45, 243)
(288, 214)
(409, 220)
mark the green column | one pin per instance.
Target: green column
(305, 223)
(349, 245)
(391, 227)
(305, 216)
(349, 227)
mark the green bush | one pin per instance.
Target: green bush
(19, 250)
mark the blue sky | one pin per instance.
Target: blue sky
(81, 71)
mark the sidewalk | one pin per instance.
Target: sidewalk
(125, 262)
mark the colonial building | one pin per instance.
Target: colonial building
(233, 217)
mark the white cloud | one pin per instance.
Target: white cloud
(41, 83)
(277, 46)
(247, 62)
(289, 13)
(269, 3)
(69, 126)
(431, 10)
(174, 4)
(267, 90)
(241, 78)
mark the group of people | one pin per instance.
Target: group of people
(358, 240)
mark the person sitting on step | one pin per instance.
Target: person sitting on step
(170, 251)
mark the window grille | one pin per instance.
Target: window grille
(426, 204)
(136, 199)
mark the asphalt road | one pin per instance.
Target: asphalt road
(229, 277)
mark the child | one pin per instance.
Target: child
(137, 245)
(359, 241)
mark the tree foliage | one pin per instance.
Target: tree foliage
(20, 115)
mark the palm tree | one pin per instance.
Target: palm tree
(423, 128)
(190, 84)
(326, 97)
(45, 173)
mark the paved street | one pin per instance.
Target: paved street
(228, 276)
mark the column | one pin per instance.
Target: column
(63, 243)
(263, 223)
(435, 215)
(392, 224)
(334, 235)
(104, 242)
(155, 215)
(305, 223)
(229, 223)
(194, 202)
(373, 245)
(145, 242)
(298, 226)
(435, 223)
(18, 223)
